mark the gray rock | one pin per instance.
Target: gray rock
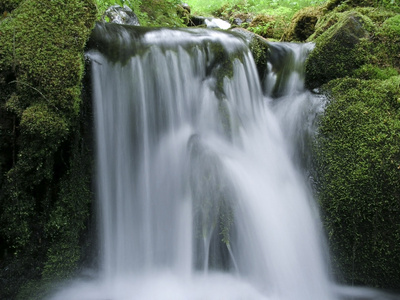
(122, 15)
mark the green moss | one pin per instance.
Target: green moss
(69, 216)
(343, 5)
(358, 178)
(345, 41)
(165, 13)
(339, 50)
(303, 24)
(9, 5)
(369, 71)
(377, 15)
(41, 69)
(388, 43)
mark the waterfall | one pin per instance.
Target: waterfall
(202, 184)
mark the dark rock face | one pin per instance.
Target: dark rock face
(122, 15)
(197, 21)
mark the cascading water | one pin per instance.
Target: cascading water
(199, 185)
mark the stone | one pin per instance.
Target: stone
(122, 15)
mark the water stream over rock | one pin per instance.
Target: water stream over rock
(202, 181)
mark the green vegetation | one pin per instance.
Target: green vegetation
(45, 166)
(358, 162)
(268, 18)
(45, 127)
(283, 8)
(357, 158)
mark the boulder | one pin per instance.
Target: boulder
(338, 51)
(122, 15)
(303, 24)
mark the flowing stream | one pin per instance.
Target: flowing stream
(202, 170)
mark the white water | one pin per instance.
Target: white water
(202, 192)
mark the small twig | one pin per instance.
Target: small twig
(32, 87)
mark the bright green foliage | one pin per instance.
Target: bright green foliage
(283, 8)
(358, 178)
(41, 69)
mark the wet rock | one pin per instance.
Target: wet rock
(259, 49)
(217, 23)
(197, 21)
(209, 22)
(122, 15)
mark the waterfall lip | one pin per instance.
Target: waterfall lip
(121, 42)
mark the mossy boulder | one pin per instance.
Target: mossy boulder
(358, 179)
(45, 164)
(339, 50)
(303, 24)
(346, 41)
(355, 64)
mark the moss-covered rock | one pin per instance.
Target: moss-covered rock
(358, 178)
(345, 41)
(355, 63)
(44, 163)
(303, 24)
(339, 50)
